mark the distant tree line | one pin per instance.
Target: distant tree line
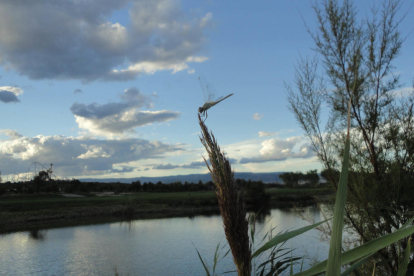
(294, 179)
(254, 190)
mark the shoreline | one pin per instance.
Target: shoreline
(79, 215)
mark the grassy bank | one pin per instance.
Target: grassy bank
(24, 211)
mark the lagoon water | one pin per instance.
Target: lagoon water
(143, 247)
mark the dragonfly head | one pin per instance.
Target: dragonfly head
(200, 110)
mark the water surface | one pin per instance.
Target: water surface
(141, 247)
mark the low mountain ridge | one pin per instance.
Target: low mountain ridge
(191, 178)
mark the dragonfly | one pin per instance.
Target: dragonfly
(209, 93)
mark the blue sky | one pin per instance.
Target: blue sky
(110, 88)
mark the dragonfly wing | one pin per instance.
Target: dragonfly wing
(209, 92)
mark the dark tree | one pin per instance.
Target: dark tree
(291, 179)
(40, 180)
(312, 177)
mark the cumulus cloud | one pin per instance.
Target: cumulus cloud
(74, 39)
(257, 116)
(77, 91)
(78, 156)
(11, 133)
(277, 149)
(119, 117)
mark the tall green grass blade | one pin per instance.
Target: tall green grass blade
(356, 265)
(202, 261)
(224, 256)
(334, 258)
(284, 237)
(216, 257)
(361, 251)
(407, 223)
(403, 267)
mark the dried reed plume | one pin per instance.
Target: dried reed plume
(231, 202)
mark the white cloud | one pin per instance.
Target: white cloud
(403, 92)
(74, 39)
(192, 71)
(14, 89)
(257, 116)
(93, 152)
(76, 156)
(277, 149)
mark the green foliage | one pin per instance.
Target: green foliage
(285, 237)
(358, 61)
(294, 179)
(256, 194)
(3, 189)
(335, 247)
(291, 179)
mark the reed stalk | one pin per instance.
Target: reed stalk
(231, 202)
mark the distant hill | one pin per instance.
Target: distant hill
(194, 178)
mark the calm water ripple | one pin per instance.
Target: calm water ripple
(139, 247)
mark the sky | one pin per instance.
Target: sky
(110, 89)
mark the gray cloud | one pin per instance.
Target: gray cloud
(165, 167)
(267, 133)
(77, 91)
(78, 156)
(119, 117)
(74, 39)
(97, 111)
(194, 165)
(8, 97)
(132, 98)
(11, 133)
(123, 170)
(233, 161)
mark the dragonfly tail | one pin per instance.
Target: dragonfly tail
(223, 98)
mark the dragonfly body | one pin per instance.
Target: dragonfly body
(206, 106)
(209, 95)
